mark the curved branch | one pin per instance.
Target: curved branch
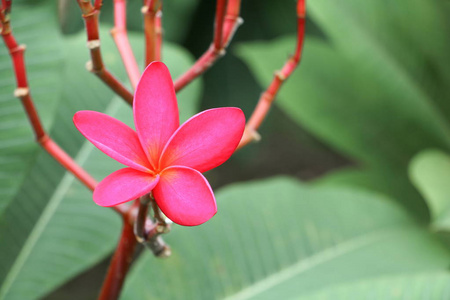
(225, 26)
(96, 66)
(120, 36)
(267, 98)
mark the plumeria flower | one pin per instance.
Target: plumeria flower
(163, 157)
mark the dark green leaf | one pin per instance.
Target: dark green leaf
(17, 144)
(52, 230)
(279, 239)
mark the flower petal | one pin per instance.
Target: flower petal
(124, 185)
(112, 137)
(184, 196)
(155, 110)
(206, 140)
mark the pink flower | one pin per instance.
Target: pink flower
(162, 156)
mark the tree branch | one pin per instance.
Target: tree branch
(267, 98)
(96, 66)
(226, 24)
(120, 36)
(120, 263)
(23, 93)
(152, 28)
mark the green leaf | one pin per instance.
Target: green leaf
(376, 89)
(361, 115)
(52, 230)
(432, 285)
(278, 239)
(18, 149)
(346, 107)
(430, 173)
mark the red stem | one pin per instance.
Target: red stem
(124, 253)
(225, 26)
(23, 93)
(152, 30)
(267, 98)
(218, 23)
(120, 262)
(96, 66)
(120, 36)
(158, 29)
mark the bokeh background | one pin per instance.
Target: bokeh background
(345, 197)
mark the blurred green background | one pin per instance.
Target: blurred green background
(345, 197)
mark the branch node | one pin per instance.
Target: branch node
(255, 135)
(19, 48)
(144, 9)
(94, 44)
(280, 75)
(90, 14)
(21, 92)
(221, 52)
(140, 240)
(89, 66)
(43, 139)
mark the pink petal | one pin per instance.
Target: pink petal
(184, 196)
(113, 137)
(206, 140)
(124, 185)
(155, 110)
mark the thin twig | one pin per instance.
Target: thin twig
(218, 23)
(159, 33)
(96, 66)
(267, 98)
(23, 93)
(120, 36)
(225, 27)
(152, 29)
(120, 264)
(157, 212)
(139, 224)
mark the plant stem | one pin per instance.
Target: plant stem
(120, 36)
(120, 263)
(159, 32)
(267, 98)
(139, 225)
(96, 66)
(152, 29)
(23, 93)
(225, 26)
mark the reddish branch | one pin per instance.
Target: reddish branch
(152, 28)
(121, 261)
(23, 93)
(226, 22)
(120, 36)
(267, 98)
(96, 66)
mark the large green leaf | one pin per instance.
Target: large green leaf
(430, 173)
(17, 146)
(376, 90)
(53, 230)
(352, 112)
(362, 114)
(278, 239)
(433, 285)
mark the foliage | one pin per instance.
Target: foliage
(372, 87)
